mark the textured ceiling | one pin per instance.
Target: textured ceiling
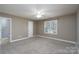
(30, 10)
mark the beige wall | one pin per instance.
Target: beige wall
(78, 26)
(19, 26)
(35, 28)
(66, 28)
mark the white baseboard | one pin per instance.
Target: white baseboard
(67, 41)
(20, 39)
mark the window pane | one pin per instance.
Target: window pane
(50, 26)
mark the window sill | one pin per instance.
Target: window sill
(50, 33)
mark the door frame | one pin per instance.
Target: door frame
(10, 29)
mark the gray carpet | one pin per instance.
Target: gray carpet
(38, 46)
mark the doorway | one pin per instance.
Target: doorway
(30, 28)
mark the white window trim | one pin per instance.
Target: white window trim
(51, 33)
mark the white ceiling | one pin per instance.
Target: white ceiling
(30, 10)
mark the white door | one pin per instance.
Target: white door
(30, 29)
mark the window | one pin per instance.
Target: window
(50, 27)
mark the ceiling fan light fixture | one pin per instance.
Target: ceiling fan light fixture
(39, 16)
